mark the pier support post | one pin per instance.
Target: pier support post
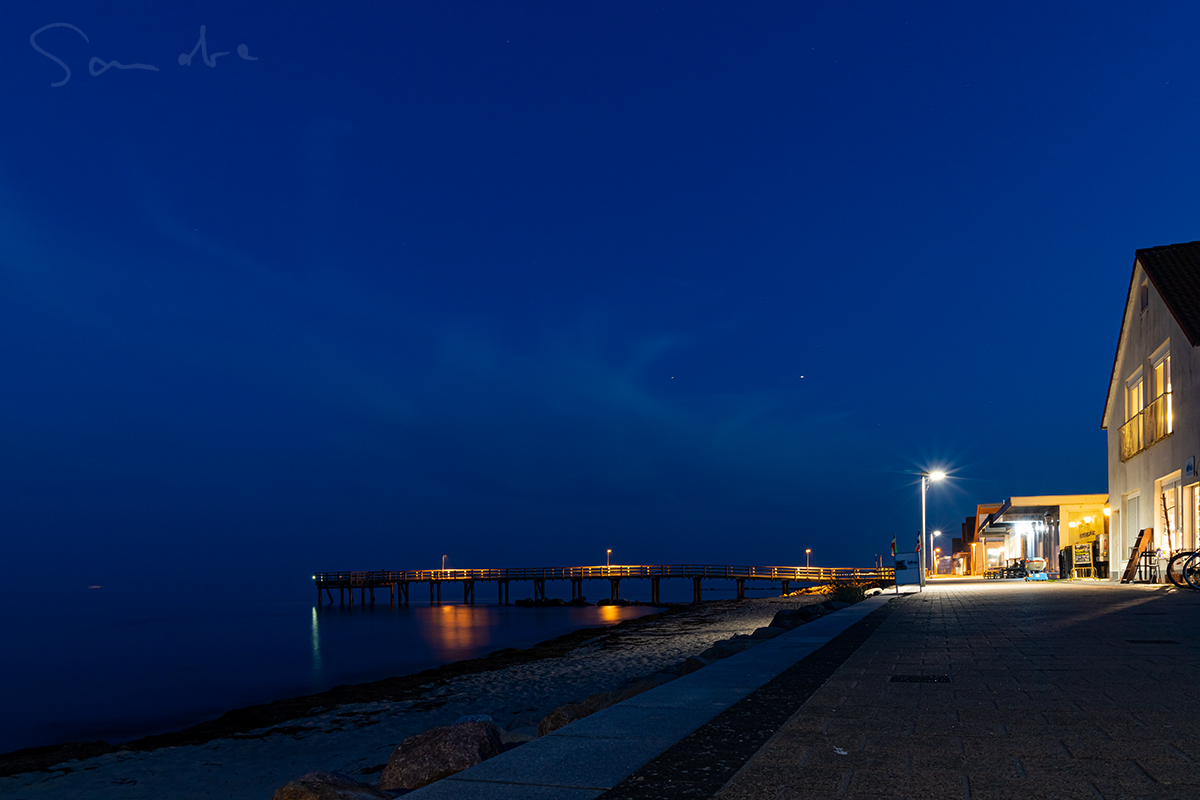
(329, 594)
(616, 588)
(741, 588)
(372, 595)
(786, 586)
(392, 593)
(403, 592)
(469, 592)
(695, 590)
(318, 594)
(654, 590)
(341, 596)
(504, 592)
(576, 588)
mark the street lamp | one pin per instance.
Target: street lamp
(807, 553)
(926, 479)
(937, 559)
(443, 563)
(608, 558)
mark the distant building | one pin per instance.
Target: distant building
(1154, 431)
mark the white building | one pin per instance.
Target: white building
(1152, 413)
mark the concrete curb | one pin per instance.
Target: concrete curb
(588, 757)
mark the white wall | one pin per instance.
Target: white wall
(1144, 333)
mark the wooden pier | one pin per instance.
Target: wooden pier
(399, 583)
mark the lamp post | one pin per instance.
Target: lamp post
(937, 559)
(926, 479)
(608, 558)
(807, 554)
(443, 563)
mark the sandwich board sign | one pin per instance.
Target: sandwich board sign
(908, 569)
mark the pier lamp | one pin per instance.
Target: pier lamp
(807, 553)
(926, 479)
(443, 563)
(608, 557)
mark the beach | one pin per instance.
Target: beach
(249, 753)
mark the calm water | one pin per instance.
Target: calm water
(105, 666)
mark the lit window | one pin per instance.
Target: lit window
(1133, 398)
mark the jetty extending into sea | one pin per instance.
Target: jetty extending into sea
(399, 581)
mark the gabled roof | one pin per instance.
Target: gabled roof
(1174, 269)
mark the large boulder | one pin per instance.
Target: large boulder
(440, 752)
(328, 786)
(563, 715)
(770, 632)
(727, 647)
(694, 663)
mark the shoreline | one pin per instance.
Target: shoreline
(249, 752)
(398, 688)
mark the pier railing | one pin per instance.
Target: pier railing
(810, 574)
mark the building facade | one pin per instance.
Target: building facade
(1152, 413)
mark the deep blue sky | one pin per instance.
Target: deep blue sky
(517, 282)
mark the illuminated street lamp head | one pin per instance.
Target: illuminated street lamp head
(937, 476)
(937, 533)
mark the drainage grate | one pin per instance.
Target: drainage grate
(1152, 641)
(920, 679)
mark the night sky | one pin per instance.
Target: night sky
(520, 282)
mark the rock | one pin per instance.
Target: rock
(610, 602)
(789, 619)
(726, 648)
(518, 735)
(439, 752)
(694, 663)
(767, 633)
(579, 601)
(328, 786)
(560, 717)
(838, 605)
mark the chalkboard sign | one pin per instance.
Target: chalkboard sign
(1083, 554)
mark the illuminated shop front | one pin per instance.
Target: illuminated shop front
(1041, 526)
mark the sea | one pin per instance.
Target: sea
(97, 664)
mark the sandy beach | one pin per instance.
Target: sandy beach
(354, 729)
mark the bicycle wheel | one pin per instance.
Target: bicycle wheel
(1175, 567)
(1191, 571)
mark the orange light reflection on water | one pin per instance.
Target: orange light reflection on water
(456, 632)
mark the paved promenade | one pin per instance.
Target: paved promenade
(970, 689)
(1054, 691)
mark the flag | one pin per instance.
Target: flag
(893, 547)
(918, 544)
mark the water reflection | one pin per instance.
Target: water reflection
(456, 632)
(317, 671)
(610, 614)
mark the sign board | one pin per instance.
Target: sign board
(1083, 554)
(908, 569)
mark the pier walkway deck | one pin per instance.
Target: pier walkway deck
(398, 582)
